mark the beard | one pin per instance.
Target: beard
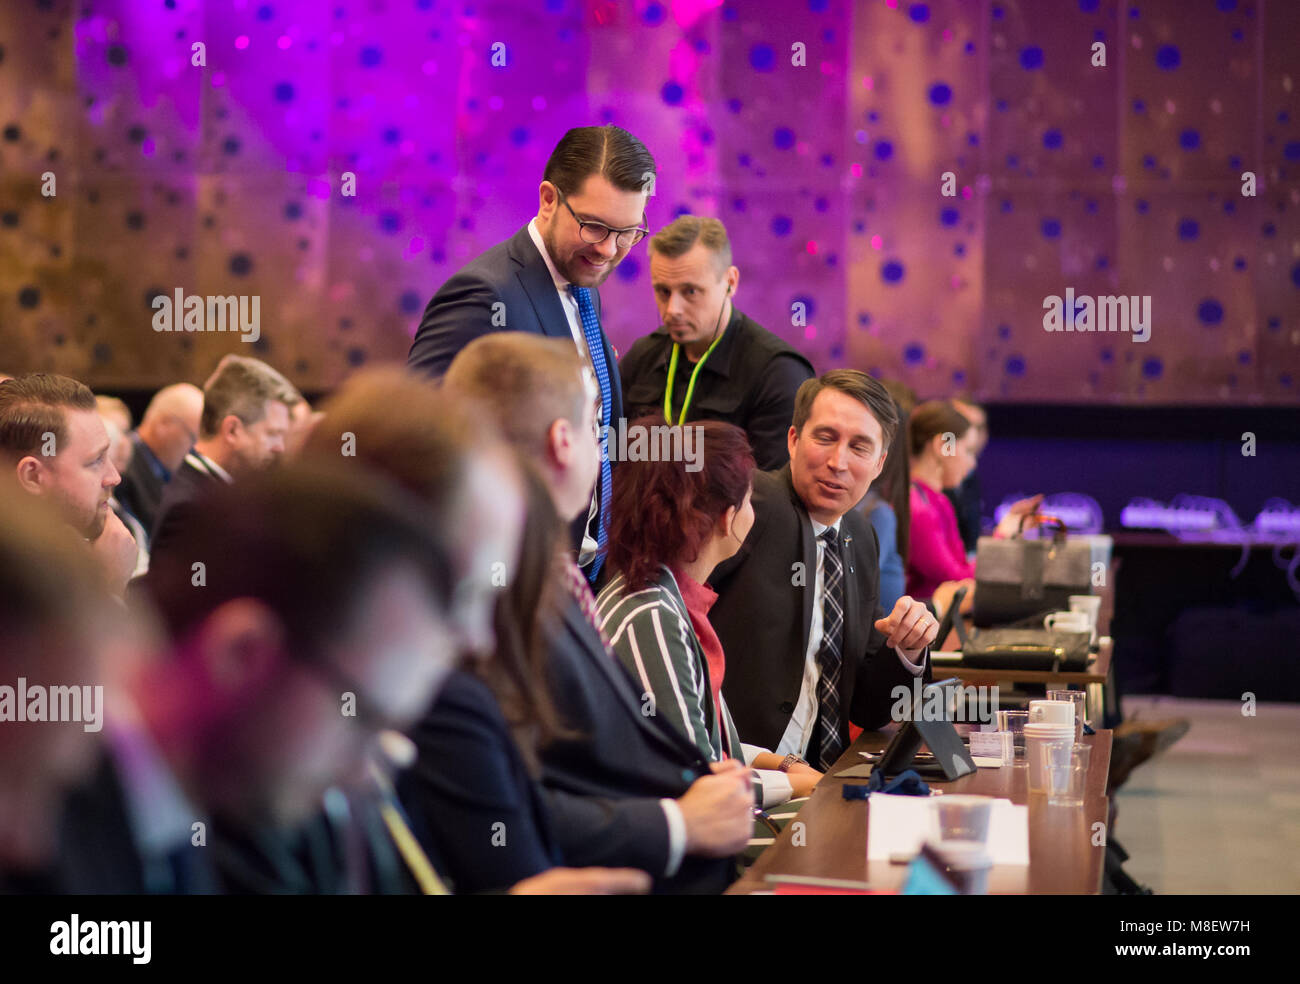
(88, 522)
(571, 267)
(97, 524)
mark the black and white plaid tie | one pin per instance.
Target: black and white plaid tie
(829, 659)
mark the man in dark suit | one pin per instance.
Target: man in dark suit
(242, 430)
(808, 647)
(166, 434)
(625, 790)
(707, 360)
(543, 280)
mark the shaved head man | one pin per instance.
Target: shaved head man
(165, 436)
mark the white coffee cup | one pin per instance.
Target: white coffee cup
(1090, 605)
(1068, 622)
(1052, 712)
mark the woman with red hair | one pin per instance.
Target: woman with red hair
(673, 521)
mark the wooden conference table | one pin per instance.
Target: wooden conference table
(1063, 859)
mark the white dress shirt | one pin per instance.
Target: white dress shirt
(203, 463)
(799, 730)
(570, 305)
(567, 300)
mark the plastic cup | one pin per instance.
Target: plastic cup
(1015, 721)
(1035, 736)
(1065, 771)
(963, 818)
(1079, 699)
(968, 862)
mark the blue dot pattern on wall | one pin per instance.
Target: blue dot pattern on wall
(236, 186)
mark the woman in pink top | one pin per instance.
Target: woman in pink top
(941, 445)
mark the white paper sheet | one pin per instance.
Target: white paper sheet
(899, 825)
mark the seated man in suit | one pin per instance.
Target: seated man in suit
(707, 360)
(242, 430)
(165, 436)
(543, 280)
(797, 612)
(625, 789)
(55, 446)
(320, 620)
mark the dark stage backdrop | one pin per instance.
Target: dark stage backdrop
(820, 131)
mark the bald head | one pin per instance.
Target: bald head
(171, 423)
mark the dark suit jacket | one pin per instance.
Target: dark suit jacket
(141, 489)
(468, 778)
(604, 786)
(967, 499)
(98, 853)
(97, 849)
(749, 380)
(763, 616)
(179, 505)
(514, 274)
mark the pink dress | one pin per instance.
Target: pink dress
(935, 553)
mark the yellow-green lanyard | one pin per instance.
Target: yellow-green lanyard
(690, 386)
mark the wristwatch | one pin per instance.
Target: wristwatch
(789, 760)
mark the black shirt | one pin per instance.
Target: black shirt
(749, 380)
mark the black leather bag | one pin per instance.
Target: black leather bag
(1026, 649)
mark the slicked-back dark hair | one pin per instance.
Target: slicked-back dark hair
(32, 406)
(610, 151)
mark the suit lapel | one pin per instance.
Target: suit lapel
(622, 683)
(535, 279)
(807, 553)
(853, 590)
(576, 623)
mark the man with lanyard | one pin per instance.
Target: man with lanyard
(707, 360)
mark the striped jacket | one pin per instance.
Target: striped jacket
(650, 631)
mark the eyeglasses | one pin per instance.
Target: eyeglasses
(598, 232)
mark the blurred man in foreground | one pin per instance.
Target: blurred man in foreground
(55, 616)
(306, 614)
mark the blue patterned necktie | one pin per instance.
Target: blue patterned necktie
(596, 348)
(828, 657)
